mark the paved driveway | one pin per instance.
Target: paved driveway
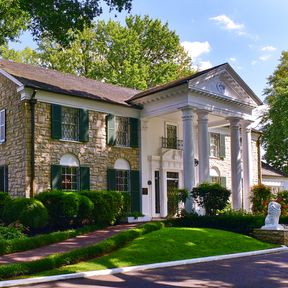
(257, 271)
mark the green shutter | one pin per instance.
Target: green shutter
(223, 181)
(111, 179)
(84, 178)
(111, 129)
(135, 191)
(56, 125)
(6, 178)
(222, 146)
(56, 177)
(134, 132)
(83, 125)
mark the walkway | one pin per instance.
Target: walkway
(67, 245)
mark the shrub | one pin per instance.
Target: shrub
(66, 209)
(211, 196)
(175, 196)
(282, 198)
(260, 198)
(108, 206)
(28, 211)
(11, 232)
(4, 198)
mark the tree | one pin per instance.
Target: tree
(141, 54)
(51, 18)
(275, 129)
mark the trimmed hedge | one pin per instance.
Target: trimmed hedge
(243, 224)
(18, 245)
(4, 198)
(108, 206)
(28, 211)
(66, 209)
(77, 255)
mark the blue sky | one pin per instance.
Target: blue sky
(250, 35)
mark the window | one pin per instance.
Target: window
(4, 178)
(2, 126)
(69, 175)
(171, 133)
(217, 145)
(214, 144)
(216, 178)
(122, 180)
(70, 124)
(122, 131)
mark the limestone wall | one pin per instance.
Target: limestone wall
(94, 153)
(14, 151)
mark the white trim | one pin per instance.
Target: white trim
(37, 280)
(10, 77)
(3, 114)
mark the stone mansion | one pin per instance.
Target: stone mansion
(59, 131)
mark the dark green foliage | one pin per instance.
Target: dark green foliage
(65, 209)
(17, 245)
(4, 198)
(175, 196)
(108, 206)
(28, 211)
(260, 198)
(282, 198)
(211, 196)
(77, 255)
(11, 232)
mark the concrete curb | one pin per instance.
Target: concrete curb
(37, 280)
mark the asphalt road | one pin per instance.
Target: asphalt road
(257, 271)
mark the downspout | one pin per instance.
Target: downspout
(32, 102)
(258, 144)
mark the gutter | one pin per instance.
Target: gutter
(258, 144)
(32, 102)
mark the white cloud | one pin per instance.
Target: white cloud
(202, 65)
(268, 48)
(265, 57)
(228, 24)
(254, 62)
(232, 59)
(195, 49)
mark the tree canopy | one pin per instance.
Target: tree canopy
(141, 54)
(51, 18)
(275, 131)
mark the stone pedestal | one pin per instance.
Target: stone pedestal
(272, 236)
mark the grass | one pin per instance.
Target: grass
(169, 244)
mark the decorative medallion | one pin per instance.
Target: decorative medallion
(220, 87)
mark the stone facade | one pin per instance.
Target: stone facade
(13, 152)
(272, 236)
(94, 153)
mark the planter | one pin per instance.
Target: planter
(138, 219)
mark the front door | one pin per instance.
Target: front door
(172, 184)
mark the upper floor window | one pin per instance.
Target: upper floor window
(2, 126)
(69, 123)
(171, 133)
(122, 131)
(217, 145)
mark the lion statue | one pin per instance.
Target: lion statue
(272, 218)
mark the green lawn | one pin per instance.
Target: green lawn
(169, 244)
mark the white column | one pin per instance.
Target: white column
(247, 163)
(163, 192)
(203, 146)
(235, 163)
(188, 153)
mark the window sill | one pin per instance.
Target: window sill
(70, 141)
(217, 158)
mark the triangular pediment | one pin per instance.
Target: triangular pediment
(226, 83)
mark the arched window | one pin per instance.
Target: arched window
(216, 177)
(122, 173)
(70, 172)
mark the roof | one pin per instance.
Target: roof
(268, 170)
(193, 76)
(53, 81)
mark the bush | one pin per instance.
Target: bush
(77, 255)
(211, 196)
(260, 198)
(4, 198)
(282, 198)
(66, 209)
(108, 206)
(175, 196)
(28, 211)
(11, 232)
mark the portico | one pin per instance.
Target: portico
(215, 104)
